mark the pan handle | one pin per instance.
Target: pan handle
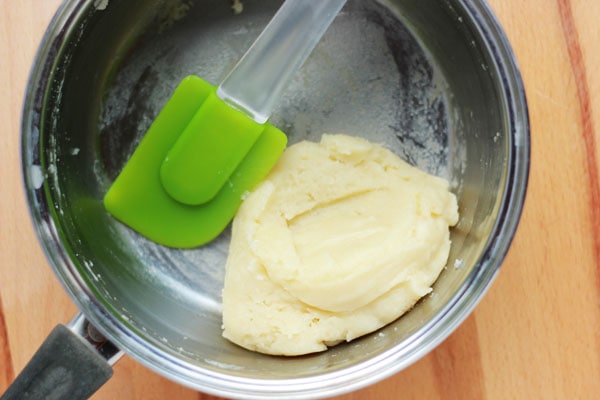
(72, 363)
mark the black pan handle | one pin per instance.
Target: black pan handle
(65, 367)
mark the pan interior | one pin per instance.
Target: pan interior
(410, 75)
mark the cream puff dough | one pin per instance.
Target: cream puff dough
(342, 238)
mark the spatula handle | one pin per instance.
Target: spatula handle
(64, 368)
(258, 79)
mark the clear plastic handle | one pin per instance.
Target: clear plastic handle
(256, 82)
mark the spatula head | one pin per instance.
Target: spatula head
(138, 198)
(209, 149)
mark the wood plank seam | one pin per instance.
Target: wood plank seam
(576, 59)
(6, 369)
(578, 68)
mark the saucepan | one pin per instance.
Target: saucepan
(435, 81)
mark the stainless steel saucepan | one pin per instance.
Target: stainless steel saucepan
(434, 80)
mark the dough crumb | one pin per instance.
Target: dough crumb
(100, 4)
(237, 6)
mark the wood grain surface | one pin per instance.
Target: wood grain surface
(535, 335)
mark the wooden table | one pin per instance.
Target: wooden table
(535, 335)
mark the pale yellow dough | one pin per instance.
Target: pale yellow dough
(342, 238)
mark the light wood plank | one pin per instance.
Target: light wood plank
(534, 335)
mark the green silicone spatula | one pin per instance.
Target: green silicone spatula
(209, 146)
